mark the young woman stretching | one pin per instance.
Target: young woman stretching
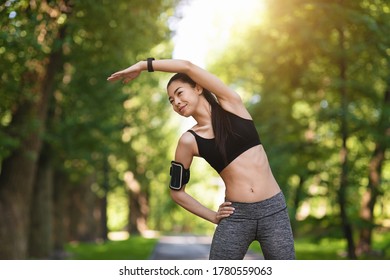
(226, 137)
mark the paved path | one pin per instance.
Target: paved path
(189, 247)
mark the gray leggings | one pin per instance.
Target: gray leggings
(266, 221)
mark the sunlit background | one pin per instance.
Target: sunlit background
(207, 26)
(93, 157)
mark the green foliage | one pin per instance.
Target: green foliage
(313, 72)
(117, 209)
(289, 69)
(90, 121)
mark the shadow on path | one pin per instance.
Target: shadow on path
(188, 247)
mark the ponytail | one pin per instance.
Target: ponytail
(220, 123)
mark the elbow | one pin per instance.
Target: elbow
(177, 196)
(187, 66)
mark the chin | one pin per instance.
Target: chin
(185, 115)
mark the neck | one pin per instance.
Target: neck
(203, 114)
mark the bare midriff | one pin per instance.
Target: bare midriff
(249, 177)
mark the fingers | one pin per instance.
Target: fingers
(119, 76)
(226, 204)
(114, 77)
(225, 210)
(124, 75)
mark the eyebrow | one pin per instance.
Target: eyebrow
(176, 90)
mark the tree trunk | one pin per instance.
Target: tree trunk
(103, 201)
(17, 179)
(342, 193)
(60, 197)
(16, 182)
(138, 206)
(41, 231)
(83, 225)
(297, 201)
(19, 170)
(40, 241)
(369, 198)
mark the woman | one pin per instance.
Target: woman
(225, 136)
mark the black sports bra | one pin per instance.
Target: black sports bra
(244, 137)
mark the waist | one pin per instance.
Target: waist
(259, 209)
(246, 184)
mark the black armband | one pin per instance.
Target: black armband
(179, 176)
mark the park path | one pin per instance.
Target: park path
(188, 247)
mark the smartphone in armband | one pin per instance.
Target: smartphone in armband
(179, 176)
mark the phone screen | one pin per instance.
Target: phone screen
(176, 176)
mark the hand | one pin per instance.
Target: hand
(224, 211)
(127, 74)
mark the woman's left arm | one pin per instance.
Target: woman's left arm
(184, 154)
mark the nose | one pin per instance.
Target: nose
(177, 101)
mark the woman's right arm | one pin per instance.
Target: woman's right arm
(227, 97)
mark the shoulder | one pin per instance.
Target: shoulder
(186, 149)
(187, 139)
(238, 109)
(187, 144)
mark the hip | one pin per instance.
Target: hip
(260, 209)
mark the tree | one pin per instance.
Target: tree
(34, 72)
(379, 22)
(55, 64)
(319, 75)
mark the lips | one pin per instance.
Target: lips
(182, 108)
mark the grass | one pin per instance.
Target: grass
(139, 248)
(307, 249)
(134, 248)
(335, 248)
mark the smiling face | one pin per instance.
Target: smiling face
(183, 97)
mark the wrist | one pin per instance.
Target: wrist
(215, 219)
(142, 65)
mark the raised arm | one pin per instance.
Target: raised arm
(227, 97)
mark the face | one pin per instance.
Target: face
(183, 97)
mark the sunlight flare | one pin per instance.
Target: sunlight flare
(207, 26)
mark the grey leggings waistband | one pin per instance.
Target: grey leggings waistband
(259, 210)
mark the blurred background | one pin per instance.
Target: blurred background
(84, 162)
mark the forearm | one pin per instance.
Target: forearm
(190, 204)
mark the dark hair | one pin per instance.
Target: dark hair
(219, 119)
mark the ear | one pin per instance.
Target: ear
(198, 89)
